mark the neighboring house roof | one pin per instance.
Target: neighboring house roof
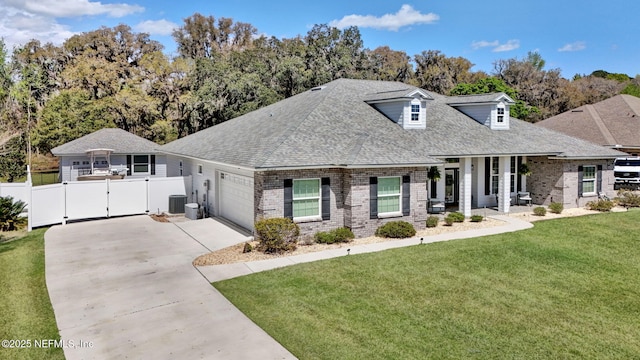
(614, 122)
(118, 140)
(334, 125)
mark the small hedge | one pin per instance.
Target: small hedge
(448, 221)
(539, 211)
(457, 216)
(628, 198)
(396, 229)
(432, 221)
(556, 207)
(477, 218)
(339, 235)
(277, 235)
(601, 205)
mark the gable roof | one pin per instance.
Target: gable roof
(611, 122)
(335, 126)
(118, 140)
(479, 99)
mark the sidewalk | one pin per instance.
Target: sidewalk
(222, 272)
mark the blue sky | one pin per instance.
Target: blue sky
(576, 36)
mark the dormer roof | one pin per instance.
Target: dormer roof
(403, 94)
(480, 99)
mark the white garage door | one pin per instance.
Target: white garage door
(236, 199)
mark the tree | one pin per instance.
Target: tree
(633, 88)
(389, 65)
(439, 73)
(12, 159)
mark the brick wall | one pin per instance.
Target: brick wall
(349, 197)
(557, 181)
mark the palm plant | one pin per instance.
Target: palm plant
(10, 211)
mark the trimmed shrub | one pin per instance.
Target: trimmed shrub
(457, 216)
(432, 221)
(628, 198)
(600, 205)
(448, 220)
(10, 211)
(539, 211)
(477, 218)
(556, 207)
(247, 248)
(277, 235)
(396, 229)
(339, 235)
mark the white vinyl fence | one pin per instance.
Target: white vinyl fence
(75, 200)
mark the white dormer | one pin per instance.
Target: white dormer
(406, 107)
(491, 110)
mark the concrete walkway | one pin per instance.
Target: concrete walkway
(126, 288)
(222, 272)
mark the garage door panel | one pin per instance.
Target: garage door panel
(236, 199)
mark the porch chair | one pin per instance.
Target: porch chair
(524, 196)
(435, 206)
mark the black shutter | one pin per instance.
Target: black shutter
(599, 179)
(406, 195)
(434, 189)
(580, 181)
(288, 198)
(326, 198)
(487, 176)
(373, 197)
(153, 164)
(518, 176)
(129, 170)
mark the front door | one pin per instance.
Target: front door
(451, 186)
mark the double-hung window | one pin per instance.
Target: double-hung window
(306, 198)
(589, 179)
(500, 114)
(140, 164)
(415, 112)
(389, 194)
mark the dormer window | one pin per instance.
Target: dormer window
(500, 114)
(415, 112)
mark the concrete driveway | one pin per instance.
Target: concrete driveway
(125, 288)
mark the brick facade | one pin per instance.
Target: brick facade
(557, 181)
(349, 197)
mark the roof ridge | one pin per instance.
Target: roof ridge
(601, 125)
(626, 99)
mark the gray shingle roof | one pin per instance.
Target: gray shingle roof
(614, 121)
(120, 141)
(336, 127)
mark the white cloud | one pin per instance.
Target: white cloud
(508, 46)
(72, 8)
(156, 27)
(406, 16)
(481, 44)
(497, 47)
(575, 46)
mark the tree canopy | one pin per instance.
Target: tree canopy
(115, 77)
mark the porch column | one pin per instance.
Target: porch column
(465, 186)
(504, 184)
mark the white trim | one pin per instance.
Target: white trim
(399, 195)
(593, 180)
(309, 218)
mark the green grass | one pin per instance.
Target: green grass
(25, 309)
(567, 289)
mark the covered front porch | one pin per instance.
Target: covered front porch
(467, 183)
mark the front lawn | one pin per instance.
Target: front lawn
(567, 288)
(25, 309)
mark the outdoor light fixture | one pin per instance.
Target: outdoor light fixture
(421, 240)
(348, 250)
